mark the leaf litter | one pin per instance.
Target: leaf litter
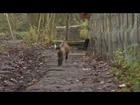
(27, 69)
(23, 65)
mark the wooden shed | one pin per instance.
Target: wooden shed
(85, 15)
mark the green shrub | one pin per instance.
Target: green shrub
(127, 71)
(84, 29)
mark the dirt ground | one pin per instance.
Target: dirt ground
(34, 69)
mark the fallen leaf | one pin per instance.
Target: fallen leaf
(112, 90)
(8, 82)
(21, 62)
(21, 77)
(102, 82)
(101, 62)
(84, 69)
(41, 63)
(40, 85)
(107, 73)
(122, 85)
(34, 81)
(13, 80)
(109, 80)
(99, 88)
(77, 80)
(24, 67)
(75, 63)
(83, 80)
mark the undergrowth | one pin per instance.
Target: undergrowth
(38, 37)
(126, 69)
(22, 35)
(84, 29)
(2, 49)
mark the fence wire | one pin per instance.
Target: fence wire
(21, 22)
(109, 32)
(74, 26)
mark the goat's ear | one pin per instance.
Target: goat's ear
(55, 46)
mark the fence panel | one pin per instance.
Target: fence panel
(74, 26)
(114, 31)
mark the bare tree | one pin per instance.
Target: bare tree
(9, 26)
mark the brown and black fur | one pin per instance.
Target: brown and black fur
(63, 52)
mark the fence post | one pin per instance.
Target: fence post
(67, 26)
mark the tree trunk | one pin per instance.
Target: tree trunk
(45, 15)
(10, 26)
(48, 18)
(42, 21)
(52, 27)
(39, 22)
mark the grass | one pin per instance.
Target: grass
(22, 35)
